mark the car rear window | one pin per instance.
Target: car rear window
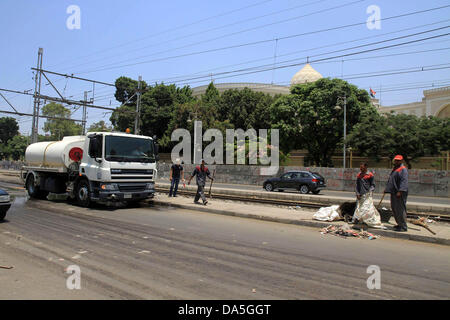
(318, 176)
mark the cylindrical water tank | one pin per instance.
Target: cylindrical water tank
(53, 153)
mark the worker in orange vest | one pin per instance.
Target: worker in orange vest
(397, 186)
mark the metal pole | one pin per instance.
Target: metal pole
(448, 159)
(40, 54)
(84, 112)
(138, 111)
(345, 125)
(36, 95)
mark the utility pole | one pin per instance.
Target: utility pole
(345, 121)
(345, 124)
(84, 112)
(37, 93)
(138, 111)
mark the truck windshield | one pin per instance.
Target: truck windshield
(118, 148)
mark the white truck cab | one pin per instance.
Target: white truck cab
(99, 167)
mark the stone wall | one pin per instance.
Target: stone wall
(421, 182)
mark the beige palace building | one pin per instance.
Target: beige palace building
(435, 102)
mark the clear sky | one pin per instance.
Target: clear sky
(161, 40)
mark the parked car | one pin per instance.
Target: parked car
(303, 181)
(5, 203)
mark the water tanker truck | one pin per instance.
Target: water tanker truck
(100, 167)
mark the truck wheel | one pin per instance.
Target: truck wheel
(35, 191)
(83, 195)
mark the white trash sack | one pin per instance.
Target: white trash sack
(327, 214)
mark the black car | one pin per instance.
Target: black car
(303, 181)
(5, 203)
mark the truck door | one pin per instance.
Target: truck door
(94, 160)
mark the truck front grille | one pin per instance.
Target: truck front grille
(132, 171)
(131, 177)
(131, 187)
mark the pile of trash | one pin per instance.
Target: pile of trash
(345, 231)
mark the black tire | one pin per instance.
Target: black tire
(83, 194)
(268, 187)
(304, 189)
(315, 191)
(2, 214)
(34, 191)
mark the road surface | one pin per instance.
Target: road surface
(148, 252)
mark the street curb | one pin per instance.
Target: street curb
(307, 223)
(413, 207)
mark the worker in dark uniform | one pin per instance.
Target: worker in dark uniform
(200, 172)
(176, 173)
(397, 186)
(365, 211)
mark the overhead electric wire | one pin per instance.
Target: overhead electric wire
(203, 32)
(115, 66)
(207, 73)
(244, 72)
(170, 30)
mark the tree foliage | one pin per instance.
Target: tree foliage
(312, 117)
(158, 103)
(379, 136)
(59, 128)
(8, 129)
(99, 126)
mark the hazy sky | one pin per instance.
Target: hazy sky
(161, 40)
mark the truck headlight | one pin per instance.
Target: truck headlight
(5, 198)
(110, 186)
(150, 186)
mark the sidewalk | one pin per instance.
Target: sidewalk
(327, 200)
(301, 216)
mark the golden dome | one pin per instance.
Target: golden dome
(306, 74)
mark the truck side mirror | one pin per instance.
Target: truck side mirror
(95, 147)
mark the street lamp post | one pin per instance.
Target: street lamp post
(195, 134)
(344, 98)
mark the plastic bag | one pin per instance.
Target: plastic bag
(327, 214)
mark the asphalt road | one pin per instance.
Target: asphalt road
(163, 253)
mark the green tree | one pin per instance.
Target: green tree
(59, 128)
(245, 108)
(311, 118)
(211, 96)
(379, 136)
(8, 129)
(158, 103)
(99, 126)
(126, 89)
(435, 134)
(17, 146)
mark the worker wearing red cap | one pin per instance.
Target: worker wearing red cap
(397, 186)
